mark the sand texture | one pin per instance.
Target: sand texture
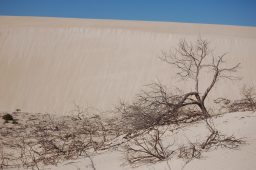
(48, 64)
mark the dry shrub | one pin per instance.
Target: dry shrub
(147, 148)
(247, 102)
(215, 140)
(48, 140)
(189, 152)
(155, 107)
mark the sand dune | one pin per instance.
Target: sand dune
(48, 64)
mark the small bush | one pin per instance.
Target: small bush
(7, 117)
(247, 102)
(147, 148)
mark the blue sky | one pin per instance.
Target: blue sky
(228, 12)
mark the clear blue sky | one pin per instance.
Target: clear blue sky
(228, 12)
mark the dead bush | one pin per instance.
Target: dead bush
(247, 102)
(156, 106)
(189, 152)
(215, 140)
(147, 148)
(48, 140)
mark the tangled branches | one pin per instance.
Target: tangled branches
(147, 148)
(47, 140)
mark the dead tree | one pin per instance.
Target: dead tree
(193, 60)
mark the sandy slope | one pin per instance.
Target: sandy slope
(48, 64)
(240, 124)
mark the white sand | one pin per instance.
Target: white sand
(48, 64)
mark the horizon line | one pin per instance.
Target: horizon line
(140, 20)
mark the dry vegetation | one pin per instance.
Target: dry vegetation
(247, 102)
(159, 107)
(35, 140)
(43, 139)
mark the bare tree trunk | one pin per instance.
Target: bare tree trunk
(204, 110)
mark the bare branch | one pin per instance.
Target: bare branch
(192, 60)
